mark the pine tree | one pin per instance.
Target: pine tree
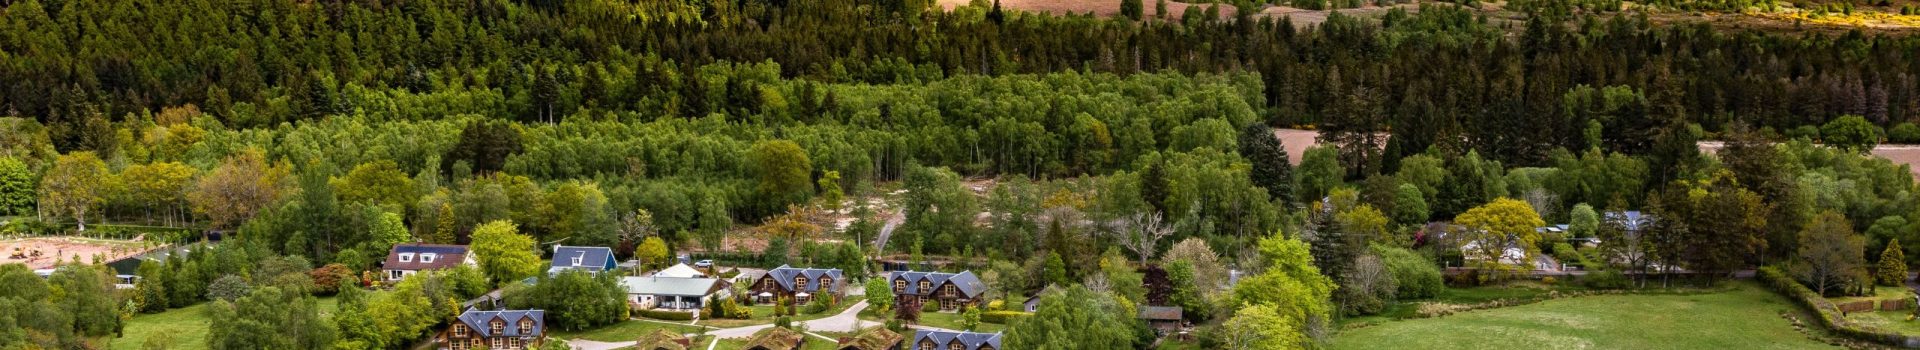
(1893, 264)
(1269, 159)
(443, 233)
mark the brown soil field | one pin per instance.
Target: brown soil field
(1174, 9)
(55, 250)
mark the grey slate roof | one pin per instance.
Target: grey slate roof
(1160, 313)
(592, 259)
(966, 281)
(942, 339)
(478, 321)
(784, 275)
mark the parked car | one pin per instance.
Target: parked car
(703, 264)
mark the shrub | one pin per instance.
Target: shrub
(819, 305)
(1605, 279)
(1417, 277)
(1002, 317)
(1905, 132)
(664, 315)
(783, 322)
(227, 287)
(1804, 132)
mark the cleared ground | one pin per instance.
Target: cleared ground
(53, 250)
(1175, 9)
(1746, 318)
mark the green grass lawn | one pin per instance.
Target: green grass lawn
(1475, 295)
(1888, 320)
(951, 320)
(1879, 293)
(625, 331)
(1745, 317)
(183, 328)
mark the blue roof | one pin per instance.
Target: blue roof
(592, 259)
(943, 339)
(784, 275)
(965, 280)
(479, 322)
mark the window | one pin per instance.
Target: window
(459, 345)
(406, 257)
(899, 286)
(496, 326)
(526, 326)
(825, 283)
(460, 330)
(513, 343)
(925, 286)
(577, 260)
(927, 344)
(395, 274)
(800, 283)
(947, 289)
(956, 345)
(427, 257)
(496, 343)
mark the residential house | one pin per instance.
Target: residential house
(1033, 302)
(498, 330)
(776, 338)
(681, 271)
(1163, 319)
(800, 284)
(944, 340)
(590, 259)
(663, 339)
(951, 290)
(674, 293)
(877, 338)
(410, 258)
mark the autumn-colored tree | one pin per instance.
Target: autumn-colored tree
(240, 187)
(77, 182)
(1493, 228)
(1830, 255)
(1892, 270)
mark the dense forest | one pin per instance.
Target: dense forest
(323, 133)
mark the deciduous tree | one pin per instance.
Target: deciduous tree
(239, 188)
(1495, 227)
(503, 253)
(74, 185)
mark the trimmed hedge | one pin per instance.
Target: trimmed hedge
(1002, 317)
(1830, 315)
(664, 315)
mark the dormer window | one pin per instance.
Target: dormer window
(578, 260)
(826, 282)
(799, 282)
(948, 289)
(497, 326)
(406, 257)
(427, 257)
(526, 327)
(925, 286)
(956, 346)
(899, 286)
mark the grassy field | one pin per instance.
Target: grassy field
(951, 320)
(625, 331)
(1888, 320)
(183, 328)
(1746, 317)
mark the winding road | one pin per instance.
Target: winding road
(846, 321)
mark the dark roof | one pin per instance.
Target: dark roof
(444, 256)
(1160, 313)
(593, 259)
(784, 275)
(965, 281)
(478, 321)
(942, 339)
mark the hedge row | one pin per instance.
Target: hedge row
(1830, 315)
(1002, 317)
(664, 315)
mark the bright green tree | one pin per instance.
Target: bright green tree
(1291, 285)
(1494, 227)
(879, 295)
(503, 253)
(783, 174)
(1262, 327)
(1319, 172)
(1409, 205)
(652, 252)
(1583, 222)
(1077, 318)
(16, 187)
(380, 183)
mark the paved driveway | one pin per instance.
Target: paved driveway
(845, 321)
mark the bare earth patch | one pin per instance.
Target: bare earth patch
(54, 250)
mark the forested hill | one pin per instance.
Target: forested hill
(78, 64)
